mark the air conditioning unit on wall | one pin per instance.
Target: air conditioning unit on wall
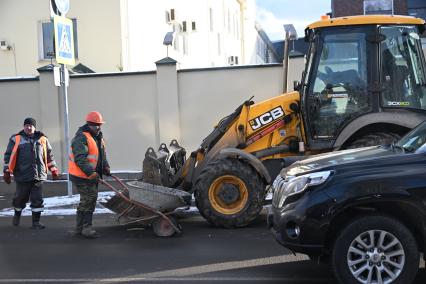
(233, 60)
(171, 16)
(4, 45)
(188, 26)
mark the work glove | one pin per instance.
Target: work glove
(55, 173)
(94, 176)
(6, 176)
(107, 171)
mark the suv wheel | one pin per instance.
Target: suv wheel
(375, 249)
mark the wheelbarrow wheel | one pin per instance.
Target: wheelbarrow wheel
(162, 227)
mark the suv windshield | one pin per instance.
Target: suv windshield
(414, 141)
(402, 68)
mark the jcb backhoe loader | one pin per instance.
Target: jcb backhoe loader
(364, 84)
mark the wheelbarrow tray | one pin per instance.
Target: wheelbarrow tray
(158, 197)
(148, 204)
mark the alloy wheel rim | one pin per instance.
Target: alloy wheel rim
(376, 257)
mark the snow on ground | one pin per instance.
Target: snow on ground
(61, 205)
(66, 205)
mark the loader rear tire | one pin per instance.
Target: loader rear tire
(229, 193)
(373, 139)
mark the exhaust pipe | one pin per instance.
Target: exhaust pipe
(290, 34)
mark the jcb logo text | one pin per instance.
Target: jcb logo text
(266, 118)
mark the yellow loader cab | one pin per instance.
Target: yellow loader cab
(364, 81)
(364, 84)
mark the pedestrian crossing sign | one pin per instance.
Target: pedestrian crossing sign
(64, 41)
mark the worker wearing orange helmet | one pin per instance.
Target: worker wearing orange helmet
(87, 163)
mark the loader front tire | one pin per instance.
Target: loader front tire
(229, 193)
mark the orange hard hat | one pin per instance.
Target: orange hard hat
(94, 117)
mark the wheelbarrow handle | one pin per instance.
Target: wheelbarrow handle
(110, 186)
(120, 182)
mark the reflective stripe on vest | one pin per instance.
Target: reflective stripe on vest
(14, 155)
(43, 142)
(92, 158)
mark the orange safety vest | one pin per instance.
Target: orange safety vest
(92, 158)
(14, 155)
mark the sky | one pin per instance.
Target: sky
(273, 14)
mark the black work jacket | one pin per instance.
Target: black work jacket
(30, 161)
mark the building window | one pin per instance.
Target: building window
(211, 19)
(218, 45)
(238, 27)
(47, 43)
(229, 21)
(185, 44)
(47, 51)
(378, 7)
(176, 42)
(224, 16)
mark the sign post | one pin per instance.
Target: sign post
(64, 47)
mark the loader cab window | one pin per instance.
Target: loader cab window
(403, 76)
(337, 90)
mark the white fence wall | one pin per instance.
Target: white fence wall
(140, 109)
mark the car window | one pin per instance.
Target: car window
(415, 140)
(403, 74)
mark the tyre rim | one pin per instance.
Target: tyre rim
(163, 228)
(376, 256)
(219, 204)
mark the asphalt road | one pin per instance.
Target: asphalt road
(131, 254)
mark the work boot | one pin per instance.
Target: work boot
(88, 231)
(16, 218)
(36, 221)
(79, 222)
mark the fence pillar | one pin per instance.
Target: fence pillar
(168, 117)
(50, 115)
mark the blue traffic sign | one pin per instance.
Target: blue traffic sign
(64, 41)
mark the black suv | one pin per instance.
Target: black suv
(364, 210)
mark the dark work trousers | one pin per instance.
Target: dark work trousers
(88, 196)
(26, 191)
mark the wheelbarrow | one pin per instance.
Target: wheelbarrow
(152, 204)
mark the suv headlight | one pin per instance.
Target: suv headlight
(284, 188)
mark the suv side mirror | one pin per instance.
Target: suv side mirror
(296, 85)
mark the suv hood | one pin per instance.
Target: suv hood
(317, 162)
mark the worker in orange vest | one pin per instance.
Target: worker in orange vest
(28, 157)
(87, 163)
